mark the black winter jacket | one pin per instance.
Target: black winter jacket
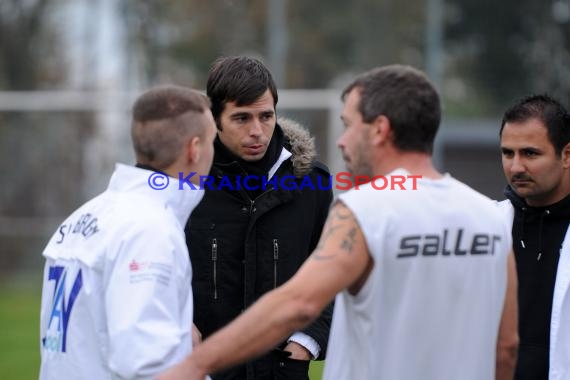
(538, 234)
(240, 248)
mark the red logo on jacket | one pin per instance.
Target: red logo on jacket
(134, 266)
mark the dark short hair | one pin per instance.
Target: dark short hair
(161, 123)
(240, 79)
(546, 109)
(407, 98)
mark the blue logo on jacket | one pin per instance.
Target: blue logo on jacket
(56, 334)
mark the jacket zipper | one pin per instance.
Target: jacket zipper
(215, 262)
(252, 210)
(275, 258)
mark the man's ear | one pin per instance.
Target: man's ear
(565, 154)
(193, 150)
(381, 130)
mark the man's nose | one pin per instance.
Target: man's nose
(517, 164)
(340, 142)
(255, 128)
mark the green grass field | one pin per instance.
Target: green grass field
(316, 370)
(19, 338)
(19, 318)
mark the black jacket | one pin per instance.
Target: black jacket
(240, 248)
(538, 233)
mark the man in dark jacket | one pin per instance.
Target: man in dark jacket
(256, 224)
(535, 145)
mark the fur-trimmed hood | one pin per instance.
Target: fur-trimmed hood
(301, 145)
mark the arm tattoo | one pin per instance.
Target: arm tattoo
(348, 241)
(337, 220)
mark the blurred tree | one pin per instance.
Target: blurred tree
(181, 39)
(506, 49)
(494, 51)
(329, 39)
(326, 39)
(42, 152)
(28, 48)
(548, 55)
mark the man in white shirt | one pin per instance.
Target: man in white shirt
(116, 302)
(422, 274)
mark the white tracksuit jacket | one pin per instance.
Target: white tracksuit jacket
(117, 301)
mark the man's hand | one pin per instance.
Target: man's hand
(297, 351)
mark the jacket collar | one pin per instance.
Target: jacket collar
(558, 212)
(559, 209)
(301, 144)
(285, 154)
(136, 180)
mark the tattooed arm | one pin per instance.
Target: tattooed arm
(341, 260)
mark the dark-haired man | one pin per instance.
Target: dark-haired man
(116, 302)
(247, 238)
(422, 273)
(535, 145)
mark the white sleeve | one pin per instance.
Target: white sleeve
(149, 325)
(308, 342)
